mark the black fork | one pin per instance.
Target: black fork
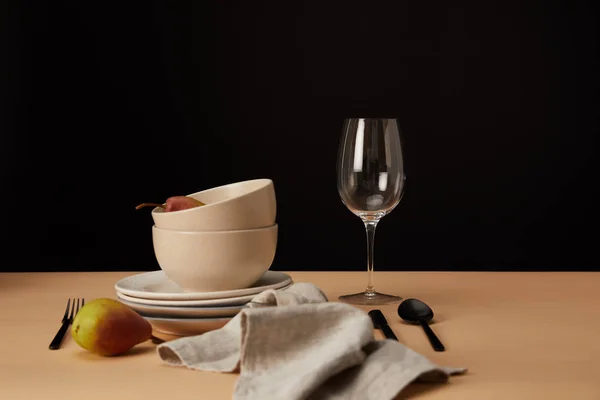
(66, 321)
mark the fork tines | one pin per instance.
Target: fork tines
(66, 321)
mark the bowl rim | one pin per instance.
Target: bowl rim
(266, 182)
(225, 232)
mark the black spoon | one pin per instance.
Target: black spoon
(415, 311)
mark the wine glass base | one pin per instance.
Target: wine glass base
(370, 298)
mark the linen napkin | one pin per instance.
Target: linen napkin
(294, 344)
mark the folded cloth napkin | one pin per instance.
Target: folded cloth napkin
(293, 344)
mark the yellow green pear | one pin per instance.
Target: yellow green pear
(108, 327)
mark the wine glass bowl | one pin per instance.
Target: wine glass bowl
(370, 182)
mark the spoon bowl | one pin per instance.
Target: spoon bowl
(413, 310)
(417, 312)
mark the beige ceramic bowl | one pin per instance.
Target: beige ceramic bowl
(241, 205)
(213, 261)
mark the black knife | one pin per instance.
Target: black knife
(380, 322)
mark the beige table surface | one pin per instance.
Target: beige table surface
(522, 336)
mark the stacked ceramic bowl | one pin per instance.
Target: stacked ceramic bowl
(213, 258)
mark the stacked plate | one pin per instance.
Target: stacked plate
(172, 311)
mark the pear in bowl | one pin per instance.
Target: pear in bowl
(242, 205)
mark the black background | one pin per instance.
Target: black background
(107, 105)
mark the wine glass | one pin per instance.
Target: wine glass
(370, 182)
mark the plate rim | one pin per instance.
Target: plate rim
(189, 320)
(186, 326)
(150, 310)
(223, 294)
(207, 308)
(189, 303)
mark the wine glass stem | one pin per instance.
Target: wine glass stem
(370, 227)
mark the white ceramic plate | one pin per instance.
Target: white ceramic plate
(187, 326)
(156, 285)
(148, 310)
(234, 301)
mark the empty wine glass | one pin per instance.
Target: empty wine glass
(370, 182)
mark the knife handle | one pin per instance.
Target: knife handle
(388, 333)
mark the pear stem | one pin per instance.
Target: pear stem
(149, 205)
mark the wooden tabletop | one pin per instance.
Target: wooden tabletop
(521, 335)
